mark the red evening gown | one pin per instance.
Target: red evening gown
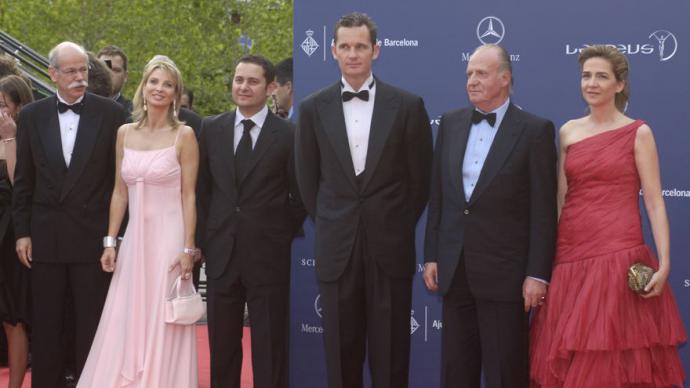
(592, 330)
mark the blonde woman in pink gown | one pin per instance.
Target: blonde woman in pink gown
(157, 159)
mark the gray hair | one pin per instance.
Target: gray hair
(504, 63)
(55, 52)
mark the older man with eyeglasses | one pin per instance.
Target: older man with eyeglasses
(63, 181)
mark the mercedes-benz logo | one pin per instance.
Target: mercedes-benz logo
(317, 305)
(667, 47)
(490, 30)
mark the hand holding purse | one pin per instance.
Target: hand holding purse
(183, 309)
(639, 276)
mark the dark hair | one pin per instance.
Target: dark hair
(16, 89)
(190, 95)
(356, 19)
(8, 65)
(284, 71)
(100, 81)
(619, 66)
(269, 70)
(113, 51)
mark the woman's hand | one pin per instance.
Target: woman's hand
(8, 128)
(186, 263)
(108, 259)
(656, 284)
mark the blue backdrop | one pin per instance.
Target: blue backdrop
(424, 49)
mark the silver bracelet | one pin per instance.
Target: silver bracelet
(109, 242)
(190, 251)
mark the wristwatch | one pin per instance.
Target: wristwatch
(109, 242)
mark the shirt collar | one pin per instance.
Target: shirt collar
(65, 102)
(259, 118)
(369, 84)
(500, 112)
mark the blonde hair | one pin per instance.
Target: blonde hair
(619, 66)
(139, 113)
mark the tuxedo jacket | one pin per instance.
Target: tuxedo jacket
(65, 209)
(383, 204)
(263, 210)
(507, 229)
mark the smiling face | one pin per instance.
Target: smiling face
(160, 89)
(250, 88)
(598, 83)
(355, 53)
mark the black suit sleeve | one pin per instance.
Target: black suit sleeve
(203, 189)
(419, 143)
(297, 210)
(435, 197)
(307, 157)
(543, 210)
(24, 176)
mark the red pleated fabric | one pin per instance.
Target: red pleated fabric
(592, 330)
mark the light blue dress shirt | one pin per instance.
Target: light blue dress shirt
(478, 145)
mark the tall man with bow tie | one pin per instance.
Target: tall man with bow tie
(63, 182)
(363, 159)
(491, 229)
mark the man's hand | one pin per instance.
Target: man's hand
(533, 291)
(23, 248)
(431, 276)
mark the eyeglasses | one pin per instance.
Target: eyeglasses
(71, 72)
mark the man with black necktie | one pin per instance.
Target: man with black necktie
(63, 182)
(363, 159)
(249, 211)
(491, 229)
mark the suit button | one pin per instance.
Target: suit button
(467, 211)
(237, 209)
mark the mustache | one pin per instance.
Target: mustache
(78, 84)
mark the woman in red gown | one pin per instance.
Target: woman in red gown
(592, 330)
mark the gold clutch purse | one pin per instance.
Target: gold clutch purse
(639, 276)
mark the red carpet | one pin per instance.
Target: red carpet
(204, 362)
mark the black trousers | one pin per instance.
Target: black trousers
(482, 334)
(366, 310)
(268, 311)
(50, 285)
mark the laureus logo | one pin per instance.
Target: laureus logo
(490, 30)
(668, 44)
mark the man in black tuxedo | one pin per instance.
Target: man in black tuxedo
(249, 210)
(491, 229)
(63, 182)
(363, 160)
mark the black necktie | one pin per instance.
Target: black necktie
(244, 151)
(362, 95)
(76, 108)
(478, 116)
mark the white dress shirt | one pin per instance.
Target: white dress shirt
(259, 118)
(69, 124)
(478, 145)
(358, 115)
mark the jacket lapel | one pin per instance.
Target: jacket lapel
(331, 112)
(50, 136)
(226, 152)
(506, 137)
(263, 143)
(386, 104)
(457, 137)
(88, 131)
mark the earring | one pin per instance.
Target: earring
(145, 107)
(174, 109)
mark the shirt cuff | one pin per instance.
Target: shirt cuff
(539, 280)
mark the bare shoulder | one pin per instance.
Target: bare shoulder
(570, 131)
(187, 135)
(644, 134)
(123, 129)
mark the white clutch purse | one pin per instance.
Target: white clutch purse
(183, 309)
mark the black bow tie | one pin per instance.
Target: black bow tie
(362, 95)
(76, 108)
(478, 116)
